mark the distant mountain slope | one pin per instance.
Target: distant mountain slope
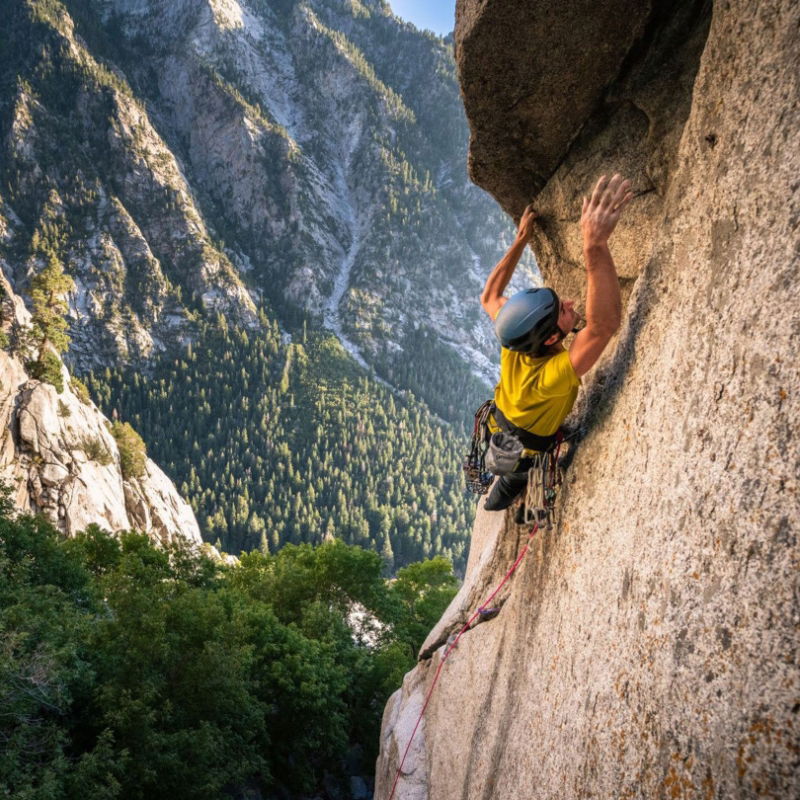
(234, 179)
(199, 153)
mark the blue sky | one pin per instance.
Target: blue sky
(435, 15)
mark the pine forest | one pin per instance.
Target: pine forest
(297, 446)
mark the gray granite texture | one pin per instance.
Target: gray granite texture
(647, 646)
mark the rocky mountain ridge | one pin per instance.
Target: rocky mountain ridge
(262, 170)
(647, 646)
(203, 155)
(59, 456)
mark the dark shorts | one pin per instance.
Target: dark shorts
(508, 487)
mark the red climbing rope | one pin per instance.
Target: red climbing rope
(451, 647)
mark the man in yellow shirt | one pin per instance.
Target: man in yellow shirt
(539, 379)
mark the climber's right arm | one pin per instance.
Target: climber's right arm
(600, 215)
(492, 298)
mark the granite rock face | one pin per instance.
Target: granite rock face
(60, 458)
(576, 90)
(647, 646)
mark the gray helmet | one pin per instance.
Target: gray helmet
(527, 320)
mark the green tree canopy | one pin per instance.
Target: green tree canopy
(134, 671)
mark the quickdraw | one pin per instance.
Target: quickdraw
(477, 478)
(544, 478)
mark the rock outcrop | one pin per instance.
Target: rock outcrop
(59, 456)
(647, 646)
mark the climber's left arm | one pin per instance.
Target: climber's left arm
(492, 298)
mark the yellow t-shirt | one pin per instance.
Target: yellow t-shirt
(536, 393)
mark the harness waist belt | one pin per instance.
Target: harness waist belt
(531, 440)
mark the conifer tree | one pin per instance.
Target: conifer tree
(49, 319)
(50, 285)
(387, 554)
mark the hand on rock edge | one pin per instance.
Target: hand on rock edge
(602, 210)
(525, 227)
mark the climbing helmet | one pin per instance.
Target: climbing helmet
(527, 320)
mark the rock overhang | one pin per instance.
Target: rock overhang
(516, 69)
(557, 94)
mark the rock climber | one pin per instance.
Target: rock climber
(539, 379)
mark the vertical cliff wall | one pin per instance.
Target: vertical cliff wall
(60, 459)
(647, 647)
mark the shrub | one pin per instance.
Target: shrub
(96, 450)
(79, 390)
(132, 451)
(47, 368)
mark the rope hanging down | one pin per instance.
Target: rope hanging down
(542, 481)
(482, 610)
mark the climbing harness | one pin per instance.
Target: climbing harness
(543, 478)
(476, 476)
(530, 440)
(498, 453)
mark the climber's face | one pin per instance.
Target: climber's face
(568, 317)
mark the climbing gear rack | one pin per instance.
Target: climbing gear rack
(544, 477)
(477, 478)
